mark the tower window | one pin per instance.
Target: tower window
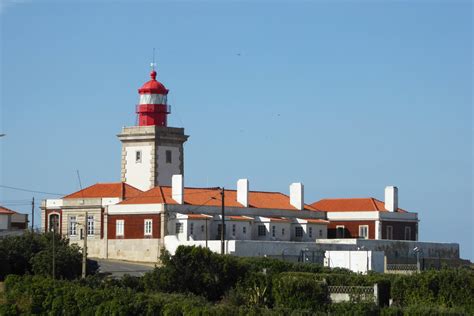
(168, 156)
(138, 156)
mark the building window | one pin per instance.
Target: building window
(54, 223)
(90, 225)
(273, 231)
(310, 232)
(364, 231)
(219, 229)
(233, 229)
(389, 232)
(72, 226)
(119, 227)
(168, 156)
(148, 227)
(191, 228)
(407, 233)
(262, 231)
(202, 228)
(320, 233)
(138, 156)
(179, 228)
(283, 232)
(340, 230)
(244, 230)
(298, 232)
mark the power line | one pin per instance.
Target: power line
(28, 190)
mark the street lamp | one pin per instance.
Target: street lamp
(417, 250)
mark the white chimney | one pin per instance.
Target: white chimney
(177, 188)
(391, 198)
(297, 195)
(243, 192)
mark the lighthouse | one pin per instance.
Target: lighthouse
(152, 151)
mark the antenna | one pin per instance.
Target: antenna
(153, 64)
(79, 178)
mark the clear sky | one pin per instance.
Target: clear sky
(346, 97)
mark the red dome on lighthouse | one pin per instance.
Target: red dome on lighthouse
(153, 86)
(153, 108)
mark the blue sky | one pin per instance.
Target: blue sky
(345, 97)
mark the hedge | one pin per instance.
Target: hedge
(300, 290)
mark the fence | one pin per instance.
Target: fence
(341, 293)
(401, 268)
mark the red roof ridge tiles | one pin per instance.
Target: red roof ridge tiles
(109, 189)
(4, 210)
(368, 204)
(208, 196)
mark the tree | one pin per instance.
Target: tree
(32, 253)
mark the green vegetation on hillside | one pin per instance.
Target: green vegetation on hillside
(196, 281)
(32, 253)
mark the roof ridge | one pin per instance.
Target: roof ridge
(374, 204)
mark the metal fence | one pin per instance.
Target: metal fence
(342, 293)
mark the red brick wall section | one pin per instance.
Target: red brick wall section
(399, 229)
(351, 228)
(46, 220)
(134, 226)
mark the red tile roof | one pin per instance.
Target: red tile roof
(102, 190)
(279, 219)
(199, 216)
(316, 221)
(212, 197)
(4, 210)
(352, 205)
(239, 218)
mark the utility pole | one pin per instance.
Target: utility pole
(206, 233)
(223, 223)
(33, 214)
(54, 253)
(84, 249)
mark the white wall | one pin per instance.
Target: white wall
(138, 174)
(239, 230)
(167, 170)
(5, 221)
(356, 261)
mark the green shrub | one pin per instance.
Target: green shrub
(31, 253)
(446, 288)
(196, 270)
(354, 309)
(300, 290)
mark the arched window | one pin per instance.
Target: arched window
(54, 222)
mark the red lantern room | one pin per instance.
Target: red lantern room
(153, 108)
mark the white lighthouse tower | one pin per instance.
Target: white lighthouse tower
(152, 152)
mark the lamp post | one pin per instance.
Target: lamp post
(417, 251)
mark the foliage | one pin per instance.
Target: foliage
(446, 288)
(300, 290)
(196, 270)
(32, 253)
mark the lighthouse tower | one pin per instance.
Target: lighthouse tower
(152, 152)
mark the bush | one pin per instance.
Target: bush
(32, 253)
(299, 290)
(196, 270)
(446, 288)
(354, 309)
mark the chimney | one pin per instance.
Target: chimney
(243, 192)
(297, 195)
(177, 188)
(391, 198)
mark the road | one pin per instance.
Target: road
(119, 268)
